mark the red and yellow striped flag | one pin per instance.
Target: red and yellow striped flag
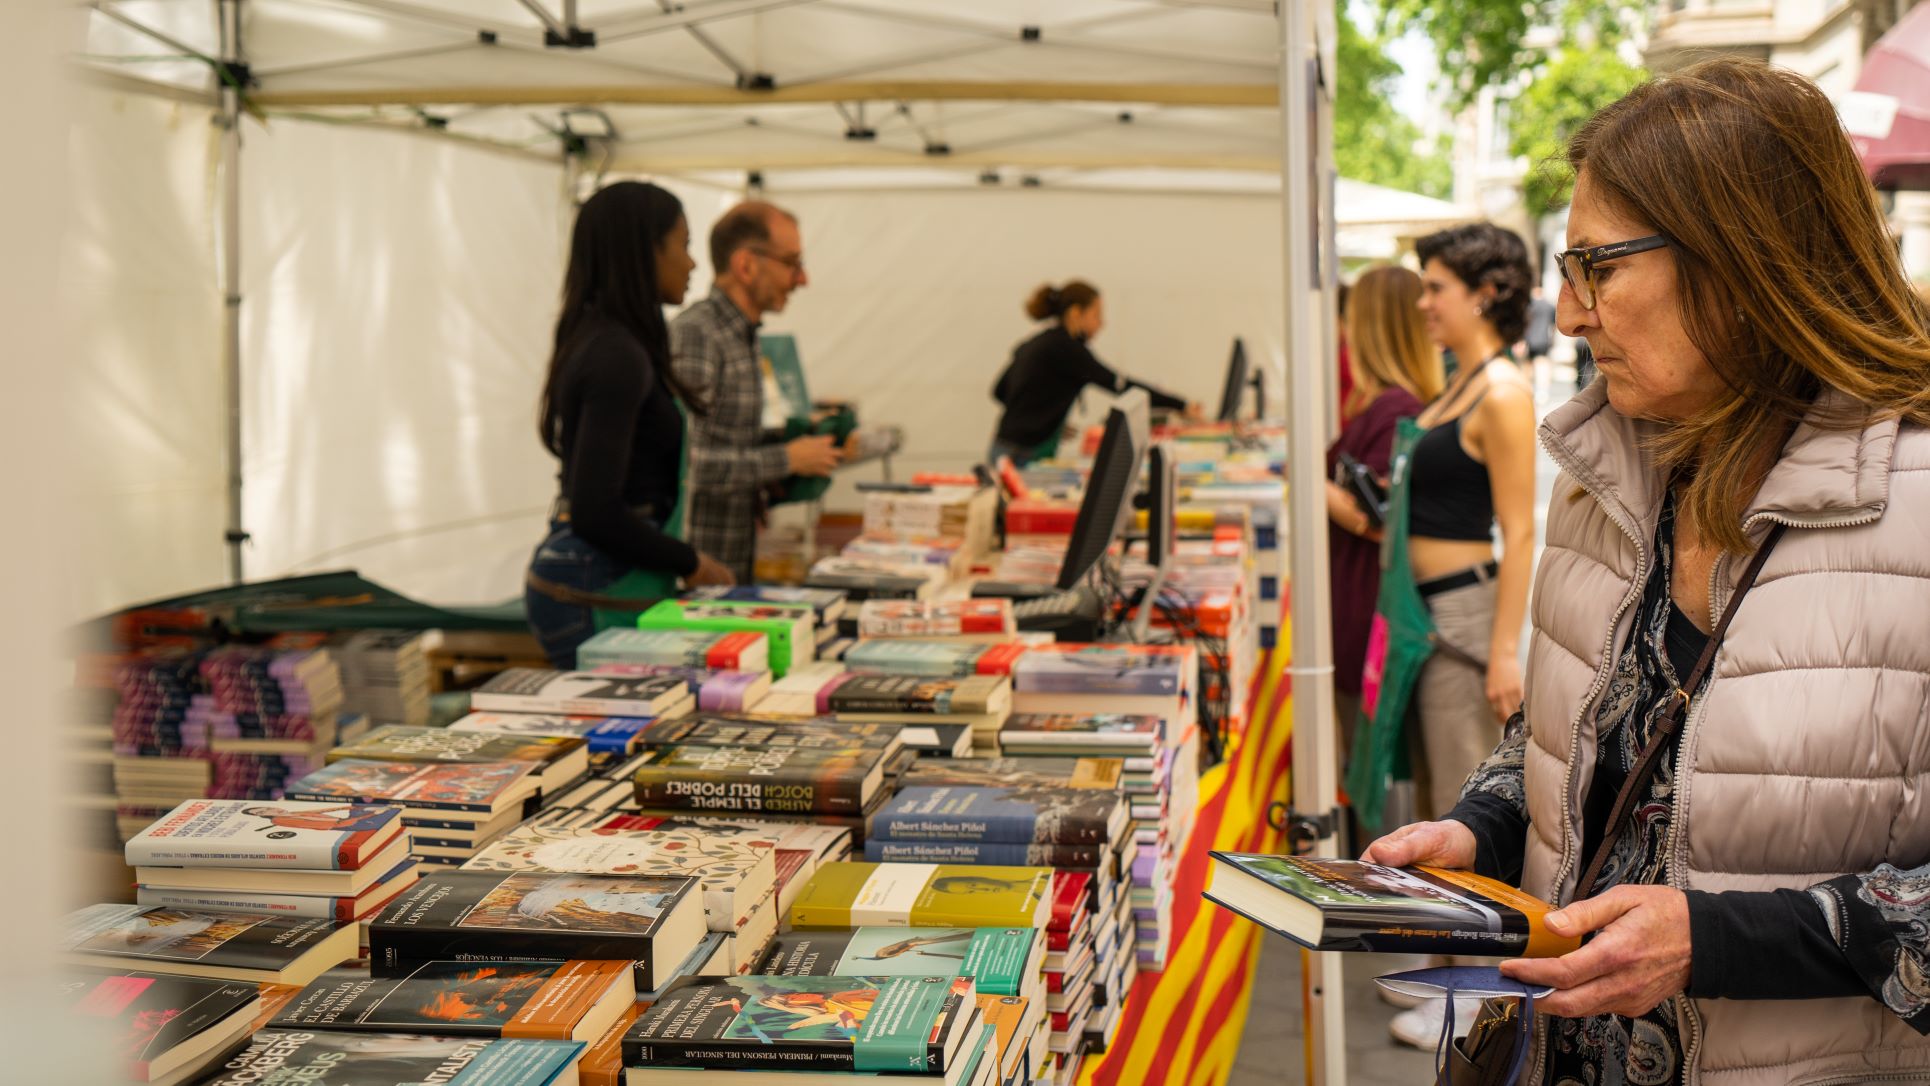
(1184, 1025)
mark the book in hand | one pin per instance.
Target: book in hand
(340, 1058)
(275, 835)
(535, 690)
(1333, 904)
(558, 759)
(461, 791)
(734, 868)
(341, 908)
(854, 894)
(167, 1029)
(741, 650)
(1003, 961)
(563, 1001)
(252, 948)
(761, 780)
(900, 696)
(885, 1025)
(1002, 814)
(605, 735)
(488, 916)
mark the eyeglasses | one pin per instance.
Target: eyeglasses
(793, 261)
(1578, 265)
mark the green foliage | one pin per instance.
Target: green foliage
(1562, 94)
(1484, 43)
(1373, 142)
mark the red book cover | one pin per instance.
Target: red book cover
(1037, 516)
(727, 654)
(998, 659)
(1069, 890)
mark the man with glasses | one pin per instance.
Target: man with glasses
(758, 255)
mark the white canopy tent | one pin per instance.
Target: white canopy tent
(386, 223)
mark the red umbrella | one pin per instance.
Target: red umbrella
(1889, 115)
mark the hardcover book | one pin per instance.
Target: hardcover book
(280, 834)
(327, 1058)
(790, 629)
(533, 690)
(1020, 814)
(792, 780)
(1333, 904)
(743, 650)
(165, 1029)
(1003, 961)
(563, 1001)
(977, 695)
(486, 788)
(903, 1025)
(220, 946)
(734, 868)
(489, 916)
(854, 895)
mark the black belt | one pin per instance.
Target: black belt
(1473, 575)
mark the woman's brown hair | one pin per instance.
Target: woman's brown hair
(1387, 343)
(1787, 277)
(1051, 301)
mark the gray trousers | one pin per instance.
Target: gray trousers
(1457, 729)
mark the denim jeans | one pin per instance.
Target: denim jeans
(566, 559)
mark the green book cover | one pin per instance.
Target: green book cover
(790, 629)
(854, 895)
(1000, 960)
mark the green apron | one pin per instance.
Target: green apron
(1398, 645)
(647, 586)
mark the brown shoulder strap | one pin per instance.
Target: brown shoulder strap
(1650, 759)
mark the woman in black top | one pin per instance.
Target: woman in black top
(1048, 372)
(610, 414)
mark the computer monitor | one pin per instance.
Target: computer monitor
(1109, 489)
(1235, 389)
(1259, 392)
(1162, 529)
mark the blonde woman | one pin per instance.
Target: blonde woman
(1395, 370)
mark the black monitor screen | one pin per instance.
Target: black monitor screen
(1115, 472)
(1235, 389)
(1162, 491)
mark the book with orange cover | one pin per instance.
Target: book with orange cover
(562, 1001)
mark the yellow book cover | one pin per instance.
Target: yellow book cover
(855, 894)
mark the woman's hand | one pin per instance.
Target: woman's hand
(710, 571)
(1640, 958)
(1504, 684)
(1446, 844)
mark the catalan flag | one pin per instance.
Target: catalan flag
(1183, 1026)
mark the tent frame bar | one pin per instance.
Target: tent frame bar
(1255, 95)
(229, 120)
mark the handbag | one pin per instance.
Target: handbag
(1495, 1050)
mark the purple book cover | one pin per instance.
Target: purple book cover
(724, 691)
(825, 691)
(1097, 669)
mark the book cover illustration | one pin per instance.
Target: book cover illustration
(400, 743)
(603, 734)
(1123, 730)
(325, 1058)
(536, 688)
(910, 694)
(1064, 668)
(721, 859)
(234, 940)
(575, 903)
(822, 600)
(468, 786)
(911, 656)
(491, 999)
(281, 834)
(1023, 814)
(852, 894)
(852, 1023)
(814, 733)
(153, 1013)
(927, 618)
(767, 780)
(1104, 774)
(743, 650)
(996, 957)
(718, 691)
(885, 850)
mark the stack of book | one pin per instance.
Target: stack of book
(167, 1030)
(832, 785)
(585, 693)
(860, 894)
(385, 675)
(85, 737)
(740, 650)
(1003, 961)
(328, 1057)
(609, 739)
(764, 1031)
(792, 629)
(1071, 963)
(715, 691)
(948, 555)
(735, 869)
(325, 861)
(1046, 812)
(1088, 681)
(252, 948)
(930, 658)
(876, 579)
(968, 621)
(827, 604)
(798, 848)
(490, 1000)
(980, 702)
(155, 768)
(965, 513)
(559, 762)
(453, 809)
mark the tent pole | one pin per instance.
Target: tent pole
(1306, 153)
(229, 12)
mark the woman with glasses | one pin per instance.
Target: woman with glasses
(1721, 770)
(1048, 371)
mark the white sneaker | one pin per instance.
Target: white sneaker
(1400, 1000)
(1421, 1027)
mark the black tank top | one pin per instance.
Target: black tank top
(1450, 495)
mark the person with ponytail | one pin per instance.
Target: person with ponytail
(611, 414)
(1048, 371)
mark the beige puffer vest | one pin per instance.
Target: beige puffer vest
(1807, 755)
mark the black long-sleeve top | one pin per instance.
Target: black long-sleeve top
(622, 437)
(1045, 377)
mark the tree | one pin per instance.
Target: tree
(1372, 141)
(1562, 94)
(1485, 43)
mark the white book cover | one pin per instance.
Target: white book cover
(283, 833)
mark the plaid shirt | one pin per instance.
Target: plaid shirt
(713, 349)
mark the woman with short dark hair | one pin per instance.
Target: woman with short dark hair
(1722, 766)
